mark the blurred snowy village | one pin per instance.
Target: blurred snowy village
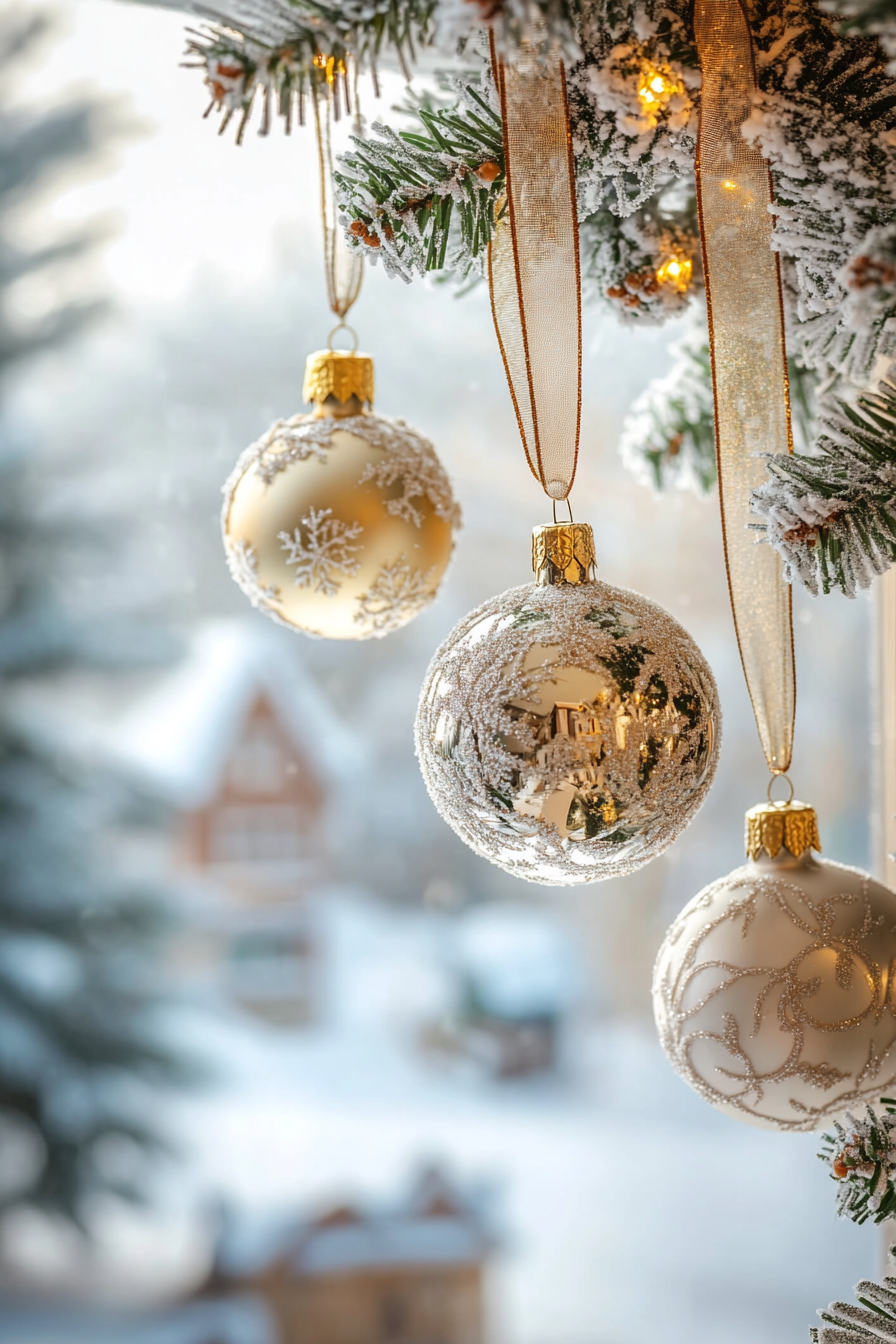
(281, 1061)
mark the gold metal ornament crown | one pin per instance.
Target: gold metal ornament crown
(776, 826)
(338, 373)
(563, 553)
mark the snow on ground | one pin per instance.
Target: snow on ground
(629, 1211)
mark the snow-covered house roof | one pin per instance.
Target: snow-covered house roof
(435, 1225)
(178, 740)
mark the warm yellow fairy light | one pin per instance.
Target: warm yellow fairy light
(675, 271)
(330, 66)
(652, 89)
(729, 185)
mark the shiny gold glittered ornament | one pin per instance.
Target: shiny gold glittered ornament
(773, 992)
(339, 523)
(567, 730)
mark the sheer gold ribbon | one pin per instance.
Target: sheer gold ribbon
(534, 268)
(749, 364)
(343, 269)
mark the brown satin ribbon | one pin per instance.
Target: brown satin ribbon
(343, 269)
(749, 361)
(533, 267)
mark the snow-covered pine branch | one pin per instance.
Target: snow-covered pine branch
(668, 436)
(269, 56)
(832, 517)
(825, 118)
(426, 200)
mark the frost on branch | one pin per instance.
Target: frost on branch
(870, 1323)
(271, 56)
(426, 199)
(668, 436)
(826, 122)
(323, 551)
(832, 517)
(861, 1158)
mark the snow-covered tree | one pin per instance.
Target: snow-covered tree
(77, 1041)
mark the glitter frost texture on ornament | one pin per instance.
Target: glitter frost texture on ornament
(323, 551)
(568, 734)
(242, 561)
(396, 596)
(409, 457)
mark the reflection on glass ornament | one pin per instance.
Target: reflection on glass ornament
(773, 991)
(568, 731)
(339, 523)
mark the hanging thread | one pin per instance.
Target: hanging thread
(343, 269)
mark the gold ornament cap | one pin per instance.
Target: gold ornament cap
(342, 374)
(776, 826)
(563, 553)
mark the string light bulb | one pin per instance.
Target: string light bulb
(329, 65)
(676, 270)
(655, 86)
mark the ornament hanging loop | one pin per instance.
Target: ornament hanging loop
(343, 269)
(343, 326)
(779, 802)
(568, 505)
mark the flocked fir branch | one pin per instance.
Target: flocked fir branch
(280, 53)
(871, 1322)
(825, 120)
(861, 1157)
(668, 435)
(270, 55)
(425, 199)
(832, 516)
(867, 16)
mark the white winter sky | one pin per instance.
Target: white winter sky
(181, 198)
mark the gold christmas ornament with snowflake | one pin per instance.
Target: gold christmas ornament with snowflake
(567, 730)
(773, 992)
(339, 523)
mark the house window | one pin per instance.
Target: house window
(258, 765)
(264, 833)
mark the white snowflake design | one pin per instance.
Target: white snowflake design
(396, 596)
(242, 561)
(411, 460)
(323, 551)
